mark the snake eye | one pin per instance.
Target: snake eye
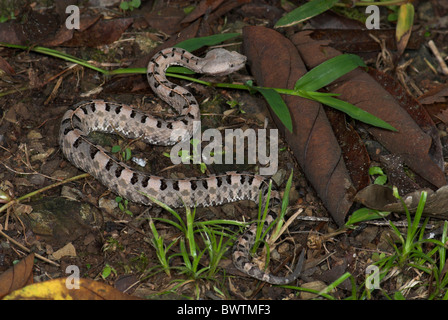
(231, 65)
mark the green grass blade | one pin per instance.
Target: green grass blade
(351, 110)
(196, 43)
(328, 71)
(305, 12)
(324, 295)
(57, 54)
(285, 201)
(277, 105)
(190, 232)
(418, 214)
(181, 224)
(365, 214)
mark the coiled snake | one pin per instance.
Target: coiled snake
(112, 117)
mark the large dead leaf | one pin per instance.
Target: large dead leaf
(101, 33)
(205, 7)
(18, 276)
(435, 101)
(381, 198)
(411, 143)
(199, 20)
(355, 154)
(60, 289)
(167, 19)
(360, 41)
(275, 62)
(45, 29)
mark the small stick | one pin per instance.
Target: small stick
(439, 58)
(26, 249)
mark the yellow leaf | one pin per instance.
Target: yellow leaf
(57, 289)
(404, 26)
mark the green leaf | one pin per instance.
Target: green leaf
(128, 154)
(365, 214)
(124, 5)
(196, 43)
(305, 12)
(381, 180)
(328, 71)
(115, 149)
(405, 20)
(375, 170)
(107, 270)
(136, 3)
(277, 105)
(398, 296)
(189, 9)
(351, 110)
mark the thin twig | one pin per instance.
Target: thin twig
(31, 194)
(21, 246)
(439, 58)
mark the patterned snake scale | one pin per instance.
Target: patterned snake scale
(213, 190)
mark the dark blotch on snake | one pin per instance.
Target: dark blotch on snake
(77, 142)
(93, 152)
(134, 178)
(118, 171)
(109, 164)
(145, 181)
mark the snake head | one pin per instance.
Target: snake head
(220, 62)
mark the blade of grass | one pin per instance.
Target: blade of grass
(349, 109)
(328, 71)
(364, 214)
(305, 12)
(277, 105)
(190, 231)
(196, 43)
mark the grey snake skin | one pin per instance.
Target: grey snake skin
(213, 190)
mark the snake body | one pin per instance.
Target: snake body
(99, 115)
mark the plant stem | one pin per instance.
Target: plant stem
(31, 194)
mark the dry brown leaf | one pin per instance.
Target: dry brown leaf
(381, 198)
(18, 276)
(275, 62)
(413, 144)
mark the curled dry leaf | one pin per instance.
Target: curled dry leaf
(381, 198)
(275, 62)
(411, 143)
(18, 276)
